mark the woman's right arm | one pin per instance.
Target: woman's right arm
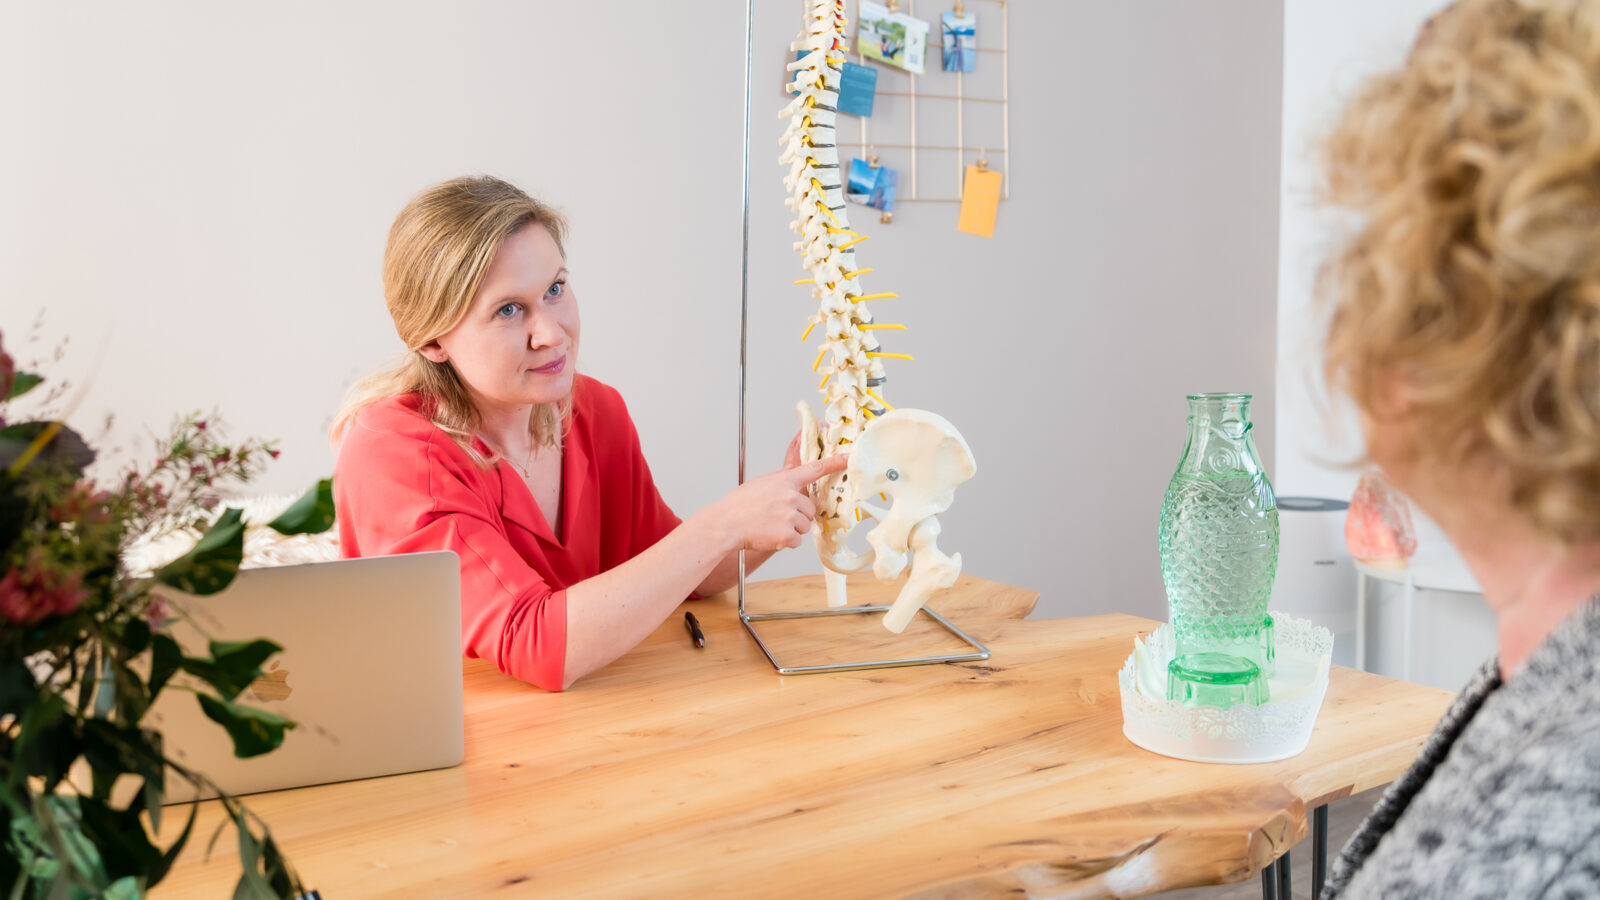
(407, 493)
(609, 614)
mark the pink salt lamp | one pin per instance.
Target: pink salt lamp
(1378, 527)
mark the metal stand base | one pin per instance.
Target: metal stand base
(979, 651)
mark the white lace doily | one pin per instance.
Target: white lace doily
(1277, 729)
(263, 547)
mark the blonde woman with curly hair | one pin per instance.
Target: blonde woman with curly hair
(1466, 328)
(484, 440)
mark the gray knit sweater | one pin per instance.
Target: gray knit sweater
(1504, 801)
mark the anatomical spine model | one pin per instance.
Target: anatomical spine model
(912, 457)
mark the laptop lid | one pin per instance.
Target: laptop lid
(370, 672)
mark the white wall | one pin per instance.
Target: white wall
(1328, 50)
(203, 190)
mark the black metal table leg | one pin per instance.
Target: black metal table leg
(1285, 889)
(1269, 881)
(1319, 849)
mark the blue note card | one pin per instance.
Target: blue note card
(858, 89)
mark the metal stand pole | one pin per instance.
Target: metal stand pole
(1285, 888)
(1269, 882)
(1361, 611)
(1319, 849)
(744, 254)
(976, 650)
(1410, 600)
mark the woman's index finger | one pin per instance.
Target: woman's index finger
(811, 471)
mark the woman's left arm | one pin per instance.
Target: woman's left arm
(726, 574)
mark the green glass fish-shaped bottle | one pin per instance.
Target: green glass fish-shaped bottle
(1219, 554)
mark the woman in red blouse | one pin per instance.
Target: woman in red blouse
(485, 441)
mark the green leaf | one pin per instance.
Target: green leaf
(10, 868)
(160, 869)
(113, 750)
(155, 789)
(128, 888)
(130, 693)
(254, 731)
(244, 657)
(125, 848)
(251, 885)
(66, 449)
(26, 381)
(13, 515)
(47, 742)
(276, 868)
(232, 666)
(166, 658)
(89, 683)
(135, 637)
(17, 688)
(107, 758)
(57, 851)
(311, 514)
(213, 562)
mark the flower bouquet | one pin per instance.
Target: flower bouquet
(84, 654)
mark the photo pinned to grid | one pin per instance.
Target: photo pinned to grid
(931, 128)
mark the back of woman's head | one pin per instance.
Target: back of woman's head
(1466, 310)
(440, 246)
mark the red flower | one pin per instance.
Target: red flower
(157, 613)
(8, 374)
(36, 591)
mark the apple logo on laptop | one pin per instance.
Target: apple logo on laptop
(272, 685)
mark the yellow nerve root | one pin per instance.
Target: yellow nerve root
(882, 402)
(865, 297)
(808, 332)
(872, 327)
(888, 356)
(820, 355)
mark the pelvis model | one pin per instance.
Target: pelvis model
(910, 460)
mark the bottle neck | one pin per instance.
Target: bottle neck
(1221, 440)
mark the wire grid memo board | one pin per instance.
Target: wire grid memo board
(947, 90)
(973, 650)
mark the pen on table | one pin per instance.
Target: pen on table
(695, 634)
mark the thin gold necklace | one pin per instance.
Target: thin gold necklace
(523, 469)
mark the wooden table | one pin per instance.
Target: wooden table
(682, 772)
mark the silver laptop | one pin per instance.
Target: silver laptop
(370, 671)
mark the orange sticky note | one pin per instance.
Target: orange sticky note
(980, 200)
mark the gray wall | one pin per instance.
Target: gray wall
(1134, 263)
(199, 196)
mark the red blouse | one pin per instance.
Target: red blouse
(401, 485)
